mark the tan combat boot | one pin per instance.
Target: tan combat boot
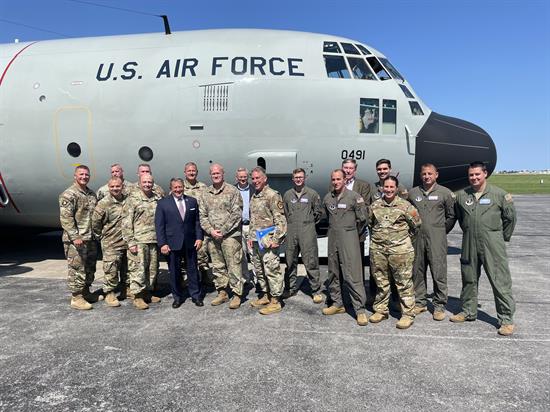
(378, 317)
(221, 298)
(129, 293)
(153, 299)
(111, 300)
(317, 298)
(140, 304)
(420, 309)
(273, 307)
(235, 302)
(78, 302)
(439, 315)
(405, 322)
(333, 310)
(506, 330)
(362, 319)
(256, 303)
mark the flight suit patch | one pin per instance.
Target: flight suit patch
(433, 197)
(508, 197)
(469, 202)
(360, 200)
(304, 200)
(484, 201)
(418, 199)
(342, 206)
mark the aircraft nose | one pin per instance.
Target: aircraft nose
(452, 144)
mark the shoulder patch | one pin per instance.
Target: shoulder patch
(280, 204)
(453, 195)
(508, 197)
(64, 203)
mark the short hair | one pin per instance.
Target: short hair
(258, 169)
(298, 170)
(338, 171)
(114, 179)
(478, 163)
(82, 167)
(428, 165)
(147, 165)
(217, 165)
(382, 161)
(190, 164)
(349, 160)
(116, 165)
(176, 179)
(395, 179)
(148, 175)
(241, 169)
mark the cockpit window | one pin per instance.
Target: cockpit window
(369, 113)
(391, 69)
(378, 68)
(416, 110)
(331, 47)
(406, 91)
(360, 69)
(389, 117)
(336, 67)
(363, 49)
(349, 48)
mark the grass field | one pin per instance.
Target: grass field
(522, 183)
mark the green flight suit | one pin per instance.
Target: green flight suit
(303, 211)
(486, 222)
(347, 216)
(436, 209)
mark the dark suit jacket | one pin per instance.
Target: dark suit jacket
(171, 229)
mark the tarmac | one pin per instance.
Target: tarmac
(212, 358)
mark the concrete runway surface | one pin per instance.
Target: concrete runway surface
(213, 358)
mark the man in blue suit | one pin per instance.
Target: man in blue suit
(179, 235)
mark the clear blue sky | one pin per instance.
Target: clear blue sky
(484, 61)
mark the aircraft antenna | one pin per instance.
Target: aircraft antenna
(162, 16)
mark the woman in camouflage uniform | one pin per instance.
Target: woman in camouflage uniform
(393, 222)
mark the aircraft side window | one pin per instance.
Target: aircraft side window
(336, 67)
(406, 91)
(74, 149)
(392, 69)
(349, 48)
(389, 117)
(331, 47)
(416, 110)
(145, 153)
(360, 69)
(378, 68)
(363, 49)
(369, 113)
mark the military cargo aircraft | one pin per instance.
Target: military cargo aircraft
(279, 99)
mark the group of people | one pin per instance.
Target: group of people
(211, 231)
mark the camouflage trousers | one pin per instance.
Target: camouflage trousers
(268, 270)
(226, 258)
(384, 267)
(81, 263)
(248, 275)
(115, 268)
(143, 267)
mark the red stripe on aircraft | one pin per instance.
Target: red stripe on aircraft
(13, 58)
(8, 193)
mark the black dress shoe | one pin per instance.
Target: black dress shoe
(176, 304)
(198, 302)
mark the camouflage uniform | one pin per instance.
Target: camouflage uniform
(436, 209)
(303, 211)
(487, 222)
(75, 213)
(266, 210)
(107, 226)
(138, 229)
(347, 216)
(221, 209)
(392, 252)
(134, 189)
(103, 191)
(377, 192)
(196, 191)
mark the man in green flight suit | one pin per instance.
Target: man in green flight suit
(487, 217)
(435, 204)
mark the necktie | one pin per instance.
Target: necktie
(181, 208)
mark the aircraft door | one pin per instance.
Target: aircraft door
(278, 165)
(73, 139)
